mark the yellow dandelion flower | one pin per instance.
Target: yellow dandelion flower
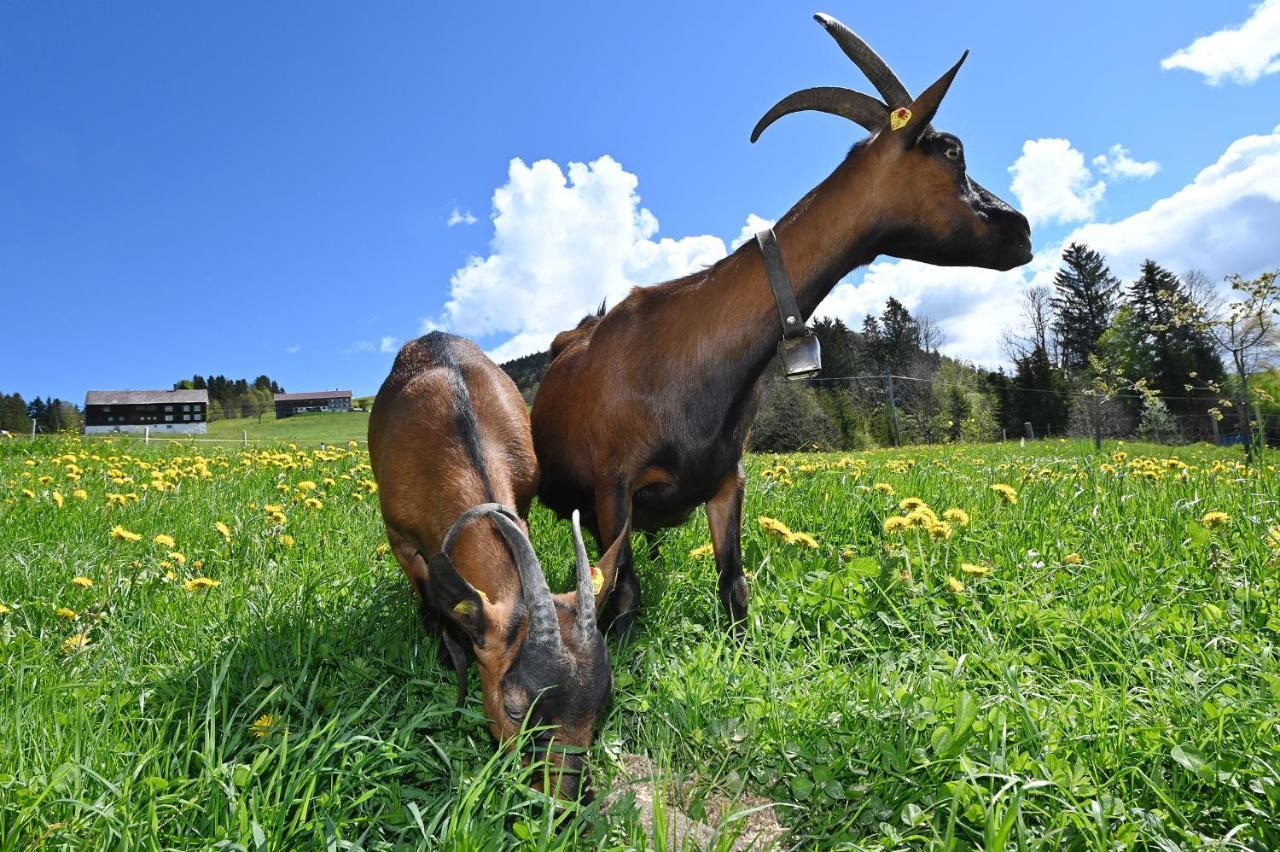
(1006, 492)
(119, 532)
(701, 551)
(910, 503)
(979, 570)
(369, 485)
(223, 530)
(775, 527)
(959, 517)
(941, 530)
(63, 612)
(922, 518)
(1273, 537)
(262, 725)
(82, 582)
(1073, 559)
(313, 503)
(287, 540)
(177, 557)
(351, 445)
(883, 488)
(29, 493)
(306, 485)
(78, 642)
(804, 539)
(897, 523)
(80, 494)
(955, 585)
(58, 498)
(4, 610)
(382, 549)
(164, 540)
(200, 584)
(1215, 519)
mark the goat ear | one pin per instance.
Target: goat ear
(921, 112)
(457, 599)
(607, 567)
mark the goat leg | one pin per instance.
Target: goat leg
(724, 516)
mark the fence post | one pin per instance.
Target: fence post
(146, 435)
(244, 437)
(893, 412)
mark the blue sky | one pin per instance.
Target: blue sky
(267, 188)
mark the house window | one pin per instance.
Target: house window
(168, 417)
(186, 408)
(186, 417)
(106, 408)
(199, 416)
(168, 408)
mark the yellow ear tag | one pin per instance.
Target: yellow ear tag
(898, 118)
(597, 580)
(466, 609)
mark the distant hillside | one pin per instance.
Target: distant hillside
(527, 372)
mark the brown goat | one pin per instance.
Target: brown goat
(643, 415)
(450, 448)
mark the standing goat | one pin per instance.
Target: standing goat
(643, 415)
(450, 447)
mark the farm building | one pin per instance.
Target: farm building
(159, 410)
(289, 404)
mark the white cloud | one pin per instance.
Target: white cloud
(1223, 221)
(294, 349)
(562, 243)
(361, 346)
(459, 218)
(1241, 54)
(1052, 183)
(754, 225)
(389, 344)
(1117, 163)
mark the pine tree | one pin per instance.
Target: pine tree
(1175, 349)
(1086, 299)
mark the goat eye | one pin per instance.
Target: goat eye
(513, 713)
(953, 154)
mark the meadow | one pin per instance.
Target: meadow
(969, 646)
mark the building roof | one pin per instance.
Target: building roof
(329, 394)
(145, 397)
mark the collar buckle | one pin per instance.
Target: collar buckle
(799, 349)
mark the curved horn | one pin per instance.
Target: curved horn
(586, 589)
(846, 103)
(876, 69)
(467, 517)
(544, 627)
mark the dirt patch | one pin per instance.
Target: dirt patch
(663, 800)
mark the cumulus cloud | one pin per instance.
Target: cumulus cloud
(1241, 54)
(1223, 221)
(754, 225)
(389, 344)
(1053, 184)
(1118, 163)
(562, 242)
(457, 217)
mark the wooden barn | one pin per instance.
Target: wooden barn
(184, 411)
(289, 404)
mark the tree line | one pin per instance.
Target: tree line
(48, 414)
(229, 398)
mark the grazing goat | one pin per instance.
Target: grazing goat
(450, 448)
(643, 414)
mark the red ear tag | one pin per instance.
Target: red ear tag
(898, 118)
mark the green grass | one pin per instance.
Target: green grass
(1130, 700)
(308, 429)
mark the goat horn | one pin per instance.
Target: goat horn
(586, 589)
(870, 63)
(544, 627)
(846, 103)
(467, 517)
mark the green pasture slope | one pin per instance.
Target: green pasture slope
(1103, 675)
(309, 429)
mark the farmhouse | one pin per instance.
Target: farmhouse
(289, 404)
(158, 410)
